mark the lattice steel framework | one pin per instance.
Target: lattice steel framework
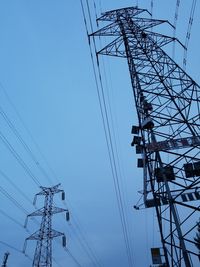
(168, 132)
(44, 236)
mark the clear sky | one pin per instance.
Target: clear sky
(48, 93)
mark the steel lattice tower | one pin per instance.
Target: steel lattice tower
(44, 236)
(167, 136)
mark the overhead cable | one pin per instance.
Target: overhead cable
(81, 237)
(72, 257)
(188, 35)
(84, 243)
(13, 200)
(19, 159)
(14, 248)
(107, 130)
(31, 137)
(15, 186)
(175, 26)
(114, 162)
(26, 147)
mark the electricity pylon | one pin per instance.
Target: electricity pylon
(167, 136)
(5, 259)
(44, 236)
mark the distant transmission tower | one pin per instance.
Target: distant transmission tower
(5, 259)
(44, 236)
(167, 136)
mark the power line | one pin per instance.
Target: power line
(114, 161)
(72, 257)
(19, 159)
(81, 237)
(100, 6)
(152, 4)
(107, 131)
(26, 147)
(84, 244)
(15, 186)
(116, 178)
(15, 249)
(11, 218)
(13, 200)
(56, 262)
(116, 140)
(175, 26)
(188, 35)
(24, 144)
(176, 16)
(16, 203)
(95, 10)
(10, 246)
(30, 135)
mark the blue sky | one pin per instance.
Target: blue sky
(46, 73)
